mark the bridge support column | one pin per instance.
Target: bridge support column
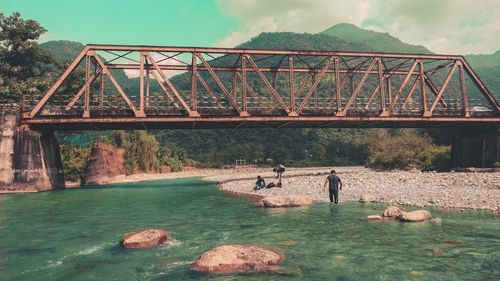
(29, 160)
(476, 147)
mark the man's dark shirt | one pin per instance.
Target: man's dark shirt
(333, 181)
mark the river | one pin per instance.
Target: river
(73, 235)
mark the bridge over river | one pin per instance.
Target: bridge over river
(202, 88)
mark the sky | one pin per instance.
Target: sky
(443, 26)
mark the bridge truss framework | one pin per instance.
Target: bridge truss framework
(241, 88)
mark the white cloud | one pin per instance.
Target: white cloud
(134, 73)
(444, 26)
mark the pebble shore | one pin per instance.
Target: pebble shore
(445, 190)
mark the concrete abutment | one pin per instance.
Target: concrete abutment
(29, 160)
(476, 147)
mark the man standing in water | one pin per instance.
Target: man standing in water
(334, 183)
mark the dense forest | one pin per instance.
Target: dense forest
(146, 151)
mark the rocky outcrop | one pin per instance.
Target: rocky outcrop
(105, 162)
(284, 201)
(392, 212)
(238, 258)
(419, 215)
(148, 238)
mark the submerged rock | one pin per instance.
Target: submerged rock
(374, 217)
(392, 212)
(238, 258)
(419, 215)
(284, 201)
(148, 238)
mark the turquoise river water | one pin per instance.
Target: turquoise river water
(74, 234)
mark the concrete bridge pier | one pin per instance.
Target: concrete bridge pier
(29, 160)
(476, 147)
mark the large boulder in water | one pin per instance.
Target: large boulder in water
(284, 201)
(419, 215)
(392, 212)
(148, 238)
(238, 258)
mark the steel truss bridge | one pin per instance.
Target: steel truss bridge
(181, 87)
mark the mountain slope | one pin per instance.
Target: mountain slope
(63, 50)
(379, 42)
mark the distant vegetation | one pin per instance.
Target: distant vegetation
(405, 150)
(29, 68)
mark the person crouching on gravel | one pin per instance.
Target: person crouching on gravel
(259, 184)
(334, 183)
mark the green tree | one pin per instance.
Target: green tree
(25, 68)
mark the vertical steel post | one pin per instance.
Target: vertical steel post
(86, 101)
(389, 89)
(381, 85)
(141, 82)
(101, 90)
(463, 88)
(148, 79)
(291, 84)
(337, 84)
(194, 86)
(244, 84)
(422, 87)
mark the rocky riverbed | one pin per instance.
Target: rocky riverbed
(445, 190)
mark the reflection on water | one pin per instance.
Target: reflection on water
(74, 235)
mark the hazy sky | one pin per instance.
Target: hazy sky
(444, 26)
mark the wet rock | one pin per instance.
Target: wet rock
(374, 218)
(238, 258)
(392, 212)
(148, 238)
(419, 215)
(284, 201)
(437, 221)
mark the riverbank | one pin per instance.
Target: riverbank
(445, 190)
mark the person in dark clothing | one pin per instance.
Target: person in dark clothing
(334, 184)
(260, 183)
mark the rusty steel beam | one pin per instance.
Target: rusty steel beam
(441, 91)
(209, 90)
(261, 68)
(117, 86)
(268, 85)
(356, 91)
(167, 93)
(58, 83)
(139, 48)
(400, 90)
(172, 88)
(221, 85)
(315, 84)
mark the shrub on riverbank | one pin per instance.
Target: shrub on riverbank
(405, 151)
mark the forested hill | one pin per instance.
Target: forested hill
(377, 41)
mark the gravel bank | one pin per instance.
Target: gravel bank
(446, 190)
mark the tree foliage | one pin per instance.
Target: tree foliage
(141, 150)
(25, 68)
(74, 160)
(405, 150)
